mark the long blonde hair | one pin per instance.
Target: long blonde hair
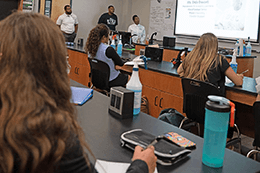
(36, 116)
(199, 61)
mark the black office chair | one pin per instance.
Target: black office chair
(195, 95)
(256, 142)
(100, 73)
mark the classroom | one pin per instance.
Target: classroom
(138, 86)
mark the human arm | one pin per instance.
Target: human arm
(101, 19)
(258, 97)
(76, 28)
(111, 53)
(144, 161)
(237, 79)
(180, 70)
(59, 21)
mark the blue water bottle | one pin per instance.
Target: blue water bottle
(215, 131)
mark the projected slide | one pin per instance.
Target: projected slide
(228, 19)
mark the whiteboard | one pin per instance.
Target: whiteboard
(162, 14)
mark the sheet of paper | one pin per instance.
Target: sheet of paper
(228, 80)
(132, 63)
(112, 167)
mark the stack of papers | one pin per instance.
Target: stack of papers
(112, 167)
(80, 95)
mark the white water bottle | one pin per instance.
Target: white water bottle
(113, 44)
(135, 85)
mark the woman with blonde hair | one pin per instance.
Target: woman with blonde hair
(39, 131)
(97, 48)
(205, 64)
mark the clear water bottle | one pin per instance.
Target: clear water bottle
(113, 44)
(248, 48)
(135, 85)
(120, 46)
(233, 63)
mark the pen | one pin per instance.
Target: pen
(151, 144)
(245, 71)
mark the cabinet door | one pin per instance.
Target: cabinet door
(170, 101)
(137, 49)
(73, 71)
(169, 54)
(153, 97)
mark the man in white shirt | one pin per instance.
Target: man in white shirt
(68, 23)
(137, 31)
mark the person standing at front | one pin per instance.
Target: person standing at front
(110, 19)
(68, 23)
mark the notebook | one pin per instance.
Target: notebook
(81, 95)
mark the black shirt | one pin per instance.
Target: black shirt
(111, 53)
(110, 20)
(216, 76)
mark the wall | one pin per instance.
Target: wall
(89, 11)
(142, 9)
(57, 8)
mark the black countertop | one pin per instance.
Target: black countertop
(103, 131)
(168, 68)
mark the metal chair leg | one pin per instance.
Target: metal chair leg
(251, 153)
(198, 126)
(184, 119)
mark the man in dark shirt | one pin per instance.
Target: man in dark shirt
(110, 19)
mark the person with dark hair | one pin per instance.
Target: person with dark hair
(68, 23)
(39, 128)
(97, 48)
(109, 18)
(137, 30)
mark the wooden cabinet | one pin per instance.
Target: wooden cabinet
(162, 91)
(137, 49)
(169, 54)
(80, 68)
(244, 63)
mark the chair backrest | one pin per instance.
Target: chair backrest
(195, 94)
(100, 73)
(256, 112)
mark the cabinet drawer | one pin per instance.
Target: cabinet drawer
(162, 82)
(78, 57)
(169, 54)
(171, 101)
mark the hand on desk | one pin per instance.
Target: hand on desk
(146, 155)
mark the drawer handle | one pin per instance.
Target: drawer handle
(155, 100)
(77, 70)
(160, 104)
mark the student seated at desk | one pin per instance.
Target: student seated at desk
(205, 64)
(39, 128)
(97, 47)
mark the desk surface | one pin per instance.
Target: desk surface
(103, 132)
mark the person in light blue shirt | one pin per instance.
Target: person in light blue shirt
(137, 31)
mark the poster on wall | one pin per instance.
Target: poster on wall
(161, 18)
(28, 5)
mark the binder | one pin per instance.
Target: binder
(80, 95)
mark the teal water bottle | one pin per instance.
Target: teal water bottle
(215, 131)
